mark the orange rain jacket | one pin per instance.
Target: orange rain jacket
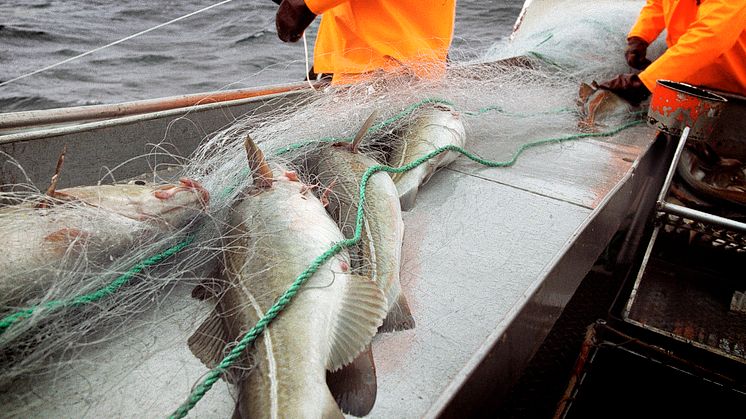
(359, 36)
(706, 42)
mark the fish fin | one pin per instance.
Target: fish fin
(63, 238)
(407, 199)
(331, 410)
(212, 285)
(399, 317)
(327, 193)
(585, 92)
(66, 235)
(261, 171)
(237, 413)
(429, 176)
(208, 288)
(363, 130)
(56, 176)
(354, 386)
(209, 340)
(201, 292)
(360, 315)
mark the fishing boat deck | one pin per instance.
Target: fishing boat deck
(490, 258)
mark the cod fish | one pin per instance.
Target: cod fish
(277, 229)
(377, 255)
(85, 227)
(600, 106)
(433, 127)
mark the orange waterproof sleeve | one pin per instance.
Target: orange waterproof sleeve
(320, 6)
(650, 23)
(717, 28)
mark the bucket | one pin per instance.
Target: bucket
(677, 105)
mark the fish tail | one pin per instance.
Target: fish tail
(408, 197)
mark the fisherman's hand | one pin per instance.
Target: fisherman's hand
(637, 49)
(293, 17)
(628, 87)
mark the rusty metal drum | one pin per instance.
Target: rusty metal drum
(676, 105)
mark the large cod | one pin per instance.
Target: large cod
(277, 229)
(378, 254)
(85, 228)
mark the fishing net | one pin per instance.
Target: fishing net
(82, 354)
(586, 40)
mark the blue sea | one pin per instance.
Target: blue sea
(233, 45)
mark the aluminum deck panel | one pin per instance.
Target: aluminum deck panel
(579, 171)
(474, 252)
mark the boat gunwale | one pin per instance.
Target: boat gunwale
(117, 111)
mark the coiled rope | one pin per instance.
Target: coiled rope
(214, 375)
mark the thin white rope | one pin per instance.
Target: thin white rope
(305, 48)
(114, 43)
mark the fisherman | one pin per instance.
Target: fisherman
(358, 37)
(706, 47)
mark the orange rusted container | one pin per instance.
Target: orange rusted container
(677, 105)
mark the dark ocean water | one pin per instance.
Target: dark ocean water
(234, 45)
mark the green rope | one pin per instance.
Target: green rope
(23, 314)
(106, 291)
(499, 109)
(373, 129)
(214, 375)
(409, 110)
(11, 319)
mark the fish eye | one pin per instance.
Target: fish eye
(138, 182)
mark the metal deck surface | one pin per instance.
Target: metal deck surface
(490, 258)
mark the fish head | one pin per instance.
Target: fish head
(171, 203)
(601, 107)
(445, 116)
(584, 93)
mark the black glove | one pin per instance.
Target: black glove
(628, 87)
(635, 53)
(293, 17)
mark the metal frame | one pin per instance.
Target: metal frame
(720, 231)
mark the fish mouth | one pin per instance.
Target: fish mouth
(166, 192)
